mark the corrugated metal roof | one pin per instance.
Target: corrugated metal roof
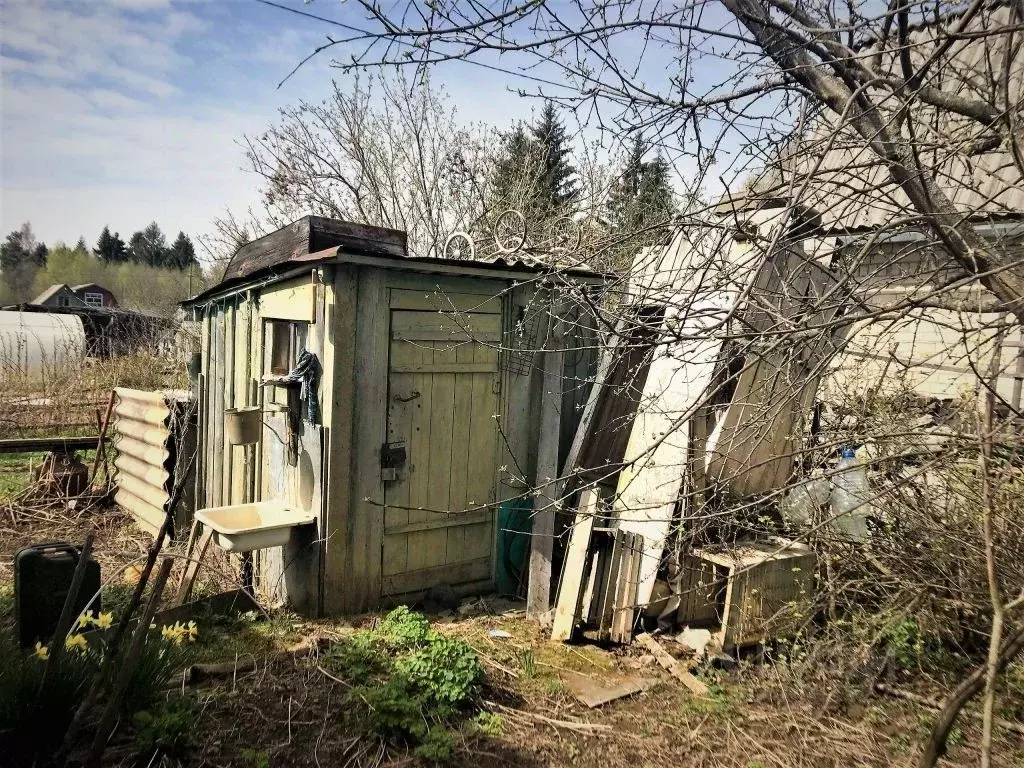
(850, 187)
(510, 267)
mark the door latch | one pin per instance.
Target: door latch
(392, 458)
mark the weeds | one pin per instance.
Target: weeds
(33, 718)
(168, 728)
(413, 683)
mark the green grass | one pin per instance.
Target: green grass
(15, 470)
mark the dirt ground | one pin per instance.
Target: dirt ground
(286, 711)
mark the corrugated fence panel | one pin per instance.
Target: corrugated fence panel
(147, 426)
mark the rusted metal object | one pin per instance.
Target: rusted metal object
(61, 475)
(151, 431)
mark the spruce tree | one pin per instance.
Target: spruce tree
(149, 246)
(533, 173)
(557, 182)
(516, 169)
(110, 248)
(81, 246)
(181, 254)
(641, 204)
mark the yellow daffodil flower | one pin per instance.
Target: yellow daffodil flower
(77, 642)
(85, 619)
(42, 651)
(193, 630)
(104, 620)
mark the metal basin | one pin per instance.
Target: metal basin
(245, 527)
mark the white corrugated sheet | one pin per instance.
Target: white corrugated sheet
(31, 342)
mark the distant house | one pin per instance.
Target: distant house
(61, 295)
(95, 296)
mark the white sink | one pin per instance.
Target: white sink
(245, 527)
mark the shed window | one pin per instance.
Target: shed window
(64, 301)
(287, 340)
(93, 299)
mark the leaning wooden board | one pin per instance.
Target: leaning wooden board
(708, 284)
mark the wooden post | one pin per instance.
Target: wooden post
(538, 596)
(100, 450)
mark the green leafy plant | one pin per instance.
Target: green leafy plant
(168, 728)
(443, 669)
(487, 724)
(256, 758)
(411, 683)
(905, 642)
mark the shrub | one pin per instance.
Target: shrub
(412, 682)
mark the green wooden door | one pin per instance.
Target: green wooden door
(442, 398)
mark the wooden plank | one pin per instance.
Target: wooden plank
(370, 404)
(461, 459)
(460, 573)
(673, 667)
(625, 602)
(419, 457)
(609, 587)
(217, 416)
(538, 599)
(438, 286)
(429, 548)
(482, 471)
(434, 326)
(57, 444)
(290, 300)
(228, 382)
(595, 694)
(447, 367)
(567, 606)
(401, 404)
(240, 461)
(446, 301)
(454, 520)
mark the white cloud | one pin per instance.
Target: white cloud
(107, 118)
(121, 112)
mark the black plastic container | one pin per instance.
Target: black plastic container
(42, 578)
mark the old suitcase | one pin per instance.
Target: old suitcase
(42, 578)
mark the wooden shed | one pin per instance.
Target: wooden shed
(427, 405)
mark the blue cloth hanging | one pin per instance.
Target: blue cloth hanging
(307, 373)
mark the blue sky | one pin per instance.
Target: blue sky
(120, 112)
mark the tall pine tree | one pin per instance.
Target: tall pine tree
(641, 204)
(149, 246)
(182, 254)
(557, 182)
(110, 248)
(534, 173)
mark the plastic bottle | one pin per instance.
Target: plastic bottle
(802, 501)
(851, 494)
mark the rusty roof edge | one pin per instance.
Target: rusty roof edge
(336, 254)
